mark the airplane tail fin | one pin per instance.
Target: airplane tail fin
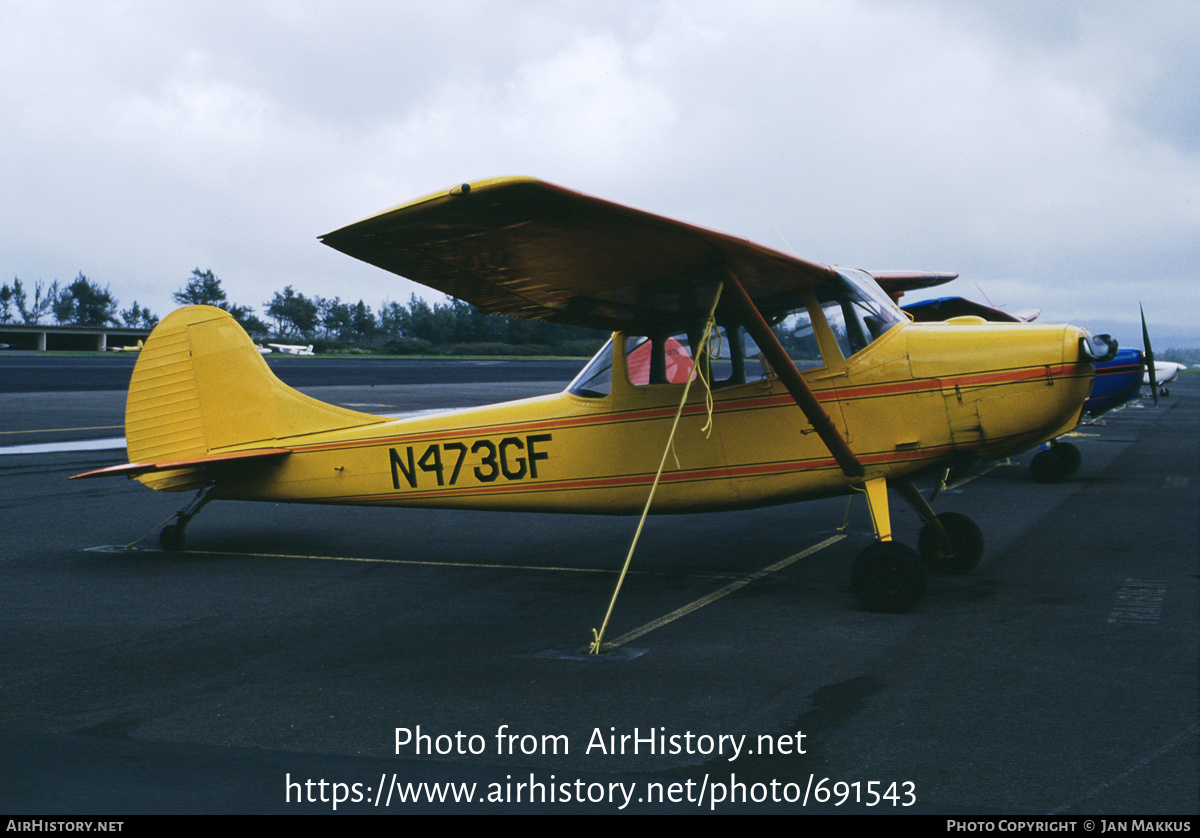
(201, 392)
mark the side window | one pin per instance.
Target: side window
(662, 361)
(796, 335)
(595, 380)
(672, 359)
(725, 359)
(856, 311)
(848, 336)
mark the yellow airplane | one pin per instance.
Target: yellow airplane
(802, 381)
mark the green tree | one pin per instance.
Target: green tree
(248, 320)
(394, 320)
(136, 317)
(6, 301)
(362, 322)
(294, 314)
(85, 303)
(203, 289)
(43, 301)
(433, 323)
(334, 317)
(457, 323)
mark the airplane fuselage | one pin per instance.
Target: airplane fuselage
(920, 396)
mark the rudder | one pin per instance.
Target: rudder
(200, 387)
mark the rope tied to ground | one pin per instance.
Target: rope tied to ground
(700, 356)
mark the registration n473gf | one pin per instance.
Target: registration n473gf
(512, 458)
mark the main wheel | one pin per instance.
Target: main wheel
(958, 555)
(888, 577)
(1069, 454)
(171, 538)
(1048, 467)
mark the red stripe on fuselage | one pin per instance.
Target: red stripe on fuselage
(863, 391)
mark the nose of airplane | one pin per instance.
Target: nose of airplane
(1008, 386)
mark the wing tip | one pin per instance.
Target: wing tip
(456, 191)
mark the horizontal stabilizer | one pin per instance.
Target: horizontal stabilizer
(135, 469)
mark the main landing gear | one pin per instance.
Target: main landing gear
(889, 576)
(173, 537)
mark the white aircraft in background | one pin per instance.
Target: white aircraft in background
(137, 348)
(1164, 372)
(291, 349)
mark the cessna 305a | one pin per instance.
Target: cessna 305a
(813, 384)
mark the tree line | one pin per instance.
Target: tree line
(331, 325)
(82, 303)
(453, 327)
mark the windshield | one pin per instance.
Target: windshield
(857, 310)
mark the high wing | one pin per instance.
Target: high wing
(526, 248)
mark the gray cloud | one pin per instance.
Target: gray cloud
(1047, 152)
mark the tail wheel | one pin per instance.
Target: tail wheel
(888, 577)
(953, 548)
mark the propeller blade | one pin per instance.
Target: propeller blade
(1149, 355)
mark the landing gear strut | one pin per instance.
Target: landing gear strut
(890, 577)
(173, 536)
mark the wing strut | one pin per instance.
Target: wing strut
(782, 363)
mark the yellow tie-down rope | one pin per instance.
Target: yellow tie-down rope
(700, 355)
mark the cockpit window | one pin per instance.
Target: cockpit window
(855, 309)
(852, 304)
(795, 333)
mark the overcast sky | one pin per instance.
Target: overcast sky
(1047, 151)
